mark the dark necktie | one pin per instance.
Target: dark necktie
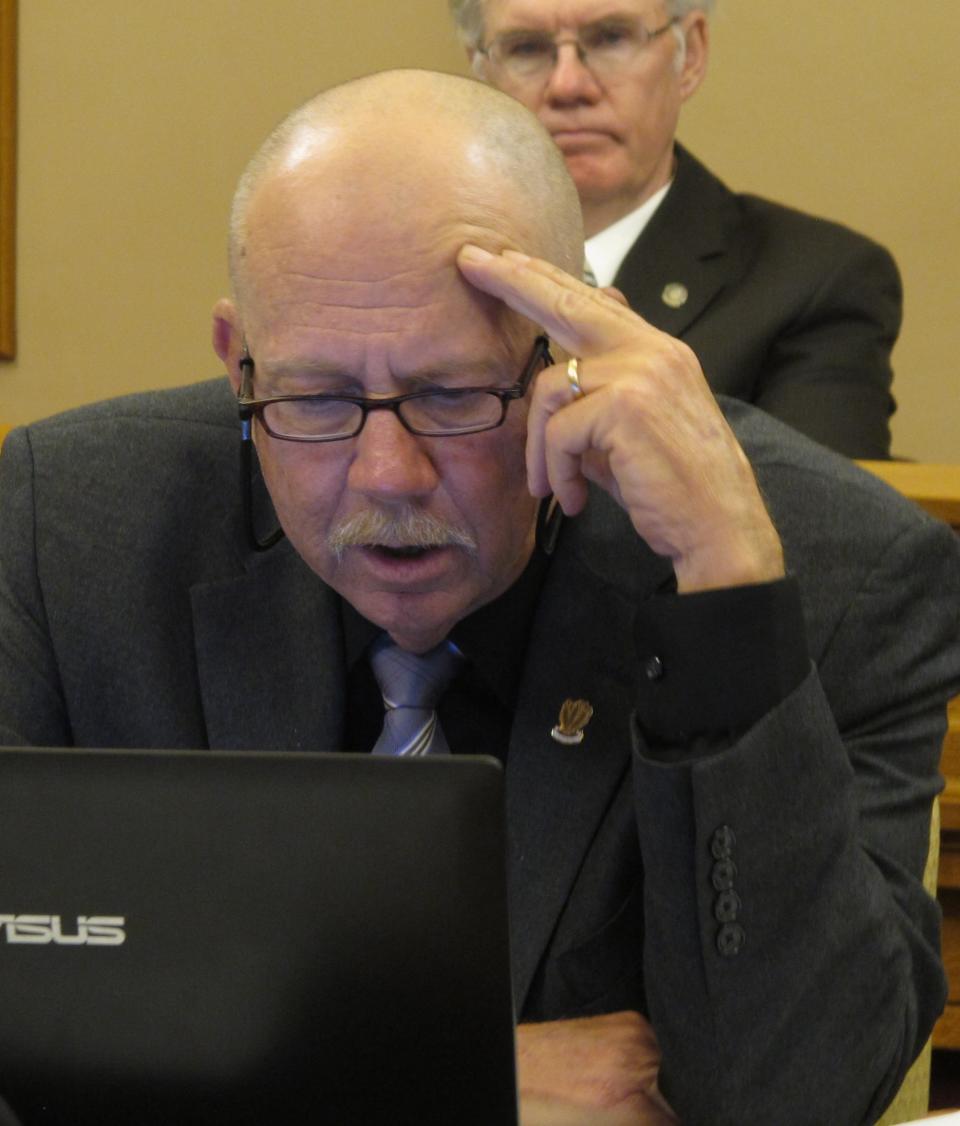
(411, 685)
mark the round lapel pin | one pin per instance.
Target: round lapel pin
(675, 295)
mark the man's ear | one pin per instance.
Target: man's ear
(696, 31)
(475, 59)
(227, 339)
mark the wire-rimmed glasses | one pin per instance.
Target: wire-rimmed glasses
(608, 48)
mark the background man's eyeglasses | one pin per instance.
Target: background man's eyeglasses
(608, 48)
(441, 413)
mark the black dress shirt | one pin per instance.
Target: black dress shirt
(710, 664)
(476, 711)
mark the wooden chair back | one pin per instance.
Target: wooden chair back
(936, 488)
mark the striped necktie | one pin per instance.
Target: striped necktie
(411, 685)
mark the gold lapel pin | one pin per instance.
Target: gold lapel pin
(675, 295)
(574, 717)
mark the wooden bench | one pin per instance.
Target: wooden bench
(936, 488)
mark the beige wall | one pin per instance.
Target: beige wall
(136, 118)
(852, 110)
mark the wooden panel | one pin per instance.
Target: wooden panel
(950, 902)
(946, 1032)
(949, 876)
(950, 805)
(4, 431)
(8, 175)
(934, 487)
(949, 873)
(950, 759)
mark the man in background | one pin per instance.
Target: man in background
(720, 858)
(792, 313)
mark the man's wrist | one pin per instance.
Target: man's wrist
(748, 559)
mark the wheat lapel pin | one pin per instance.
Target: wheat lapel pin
(574, 717)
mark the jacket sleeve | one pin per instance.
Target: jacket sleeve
(828, 372)
(31, 701)
(791, 953)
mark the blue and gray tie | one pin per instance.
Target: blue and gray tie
(411, 685)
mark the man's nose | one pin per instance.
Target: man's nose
(390, 463)
(571, 79)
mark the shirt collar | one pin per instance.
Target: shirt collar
(606, 251)
(493, 638)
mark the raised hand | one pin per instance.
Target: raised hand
(647, 428)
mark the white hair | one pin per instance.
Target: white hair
(468, 17)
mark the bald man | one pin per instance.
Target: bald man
(463, 445)
(793, 313)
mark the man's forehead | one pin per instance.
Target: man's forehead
(332, 205)
(334, 245)
(454, 349)
(339, 271)
(315, 240)
(561, 13)
(364, 309)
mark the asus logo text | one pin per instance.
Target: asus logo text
(40, 930)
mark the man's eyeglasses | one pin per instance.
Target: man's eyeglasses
(332, 418)
(608, 48)
(440, 413)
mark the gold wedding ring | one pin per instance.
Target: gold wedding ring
(573, 377)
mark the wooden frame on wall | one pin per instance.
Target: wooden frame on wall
(8, 176)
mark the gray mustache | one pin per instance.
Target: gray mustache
(407, 527)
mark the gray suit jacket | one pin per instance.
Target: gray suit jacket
(132, 613)
(792, 313)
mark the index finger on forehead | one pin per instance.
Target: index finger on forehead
(578, 317)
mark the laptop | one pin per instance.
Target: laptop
(272, 938)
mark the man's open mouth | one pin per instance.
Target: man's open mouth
(407, 552)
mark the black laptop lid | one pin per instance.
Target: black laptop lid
(273, 938)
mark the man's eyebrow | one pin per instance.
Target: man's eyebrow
(615, 14)
(301, 367)
(480, 372)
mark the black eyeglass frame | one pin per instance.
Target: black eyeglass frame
(249, 409)
(254, 408)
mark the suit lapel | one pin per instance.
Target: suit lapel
(264, 640)
(581, 647)
(689, 252)
(267, 640)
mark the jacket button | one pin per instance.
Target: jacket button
(727, 907)
(730, 939)
(653, 668)
(722, 842)
(723, 874)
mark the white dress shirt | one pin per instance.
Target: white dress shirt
(606, 250)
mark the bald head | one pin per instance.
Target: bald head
(347, 230)
(407, 149)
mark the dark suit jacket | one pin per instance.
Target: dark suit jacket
(132, 613)
(792, 313)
